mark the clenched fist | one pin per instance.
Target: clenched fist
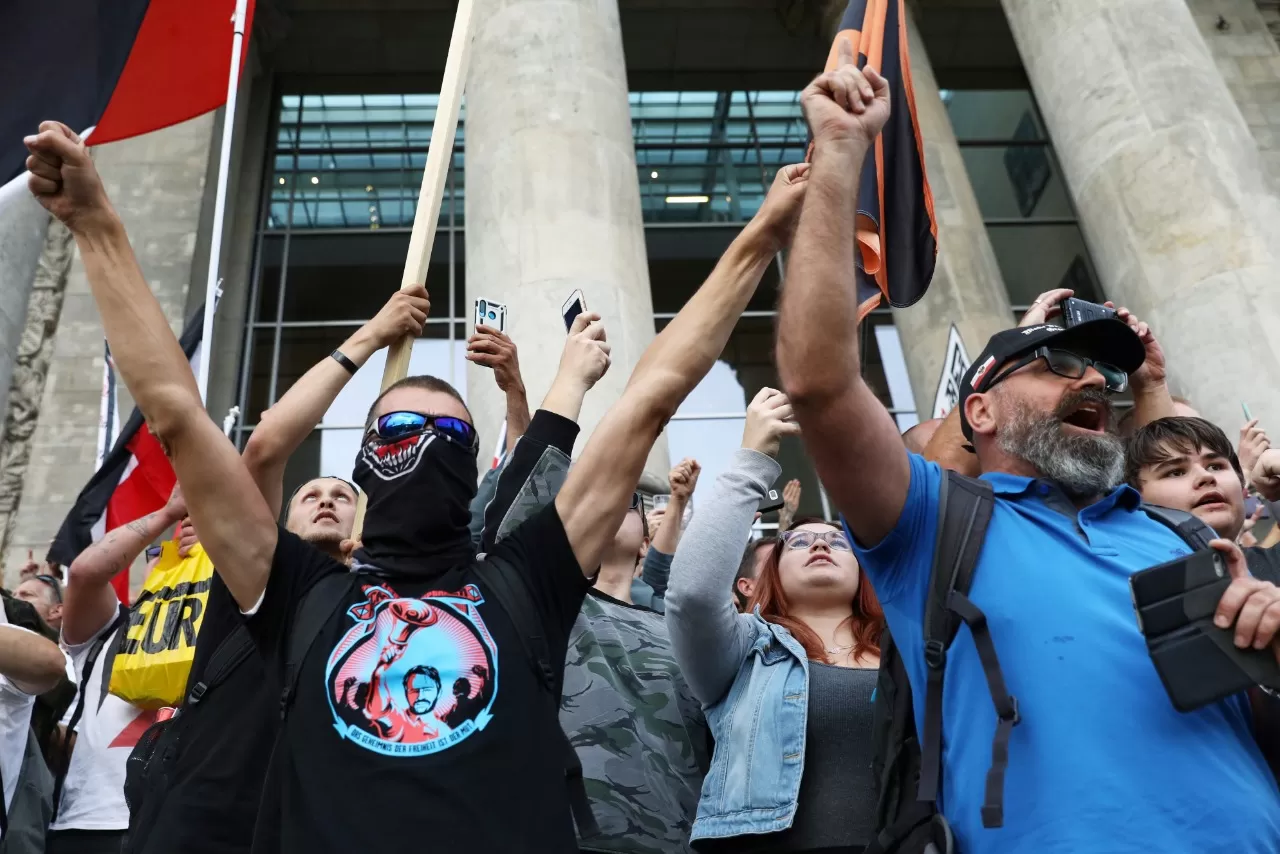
(846, 104)
(63, 178)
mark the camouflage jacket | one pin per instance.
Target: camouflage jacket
(638, 730)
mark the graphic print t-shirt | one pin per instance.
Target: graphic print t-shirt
(93, 794)
(418, 723)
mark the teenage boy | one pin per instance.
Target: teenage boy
(1188, 464)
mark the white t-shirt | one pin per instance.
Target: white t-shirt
(93, 793)
(15, 720)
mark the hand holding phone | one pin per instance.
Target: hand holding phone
(1078, 311)
(573, 306)
(491, 314)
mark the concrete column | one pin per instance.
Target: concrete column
(1172, 193)
(553, 201)
(23, 224)
(157, 184)
(967, 288)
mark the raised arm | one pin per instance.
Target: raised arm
(236, 526)
(283, 427)
(852, 439)
(598, 491)
(1149, 384)
(539, 463)
(709, 637)
(683, 480)
(495, 350)
(89, 603)
(32, 662)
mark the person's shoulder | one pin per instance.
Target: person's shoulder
(292, 549)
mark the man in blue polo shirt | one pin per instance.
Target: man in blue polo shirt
(1101, 761)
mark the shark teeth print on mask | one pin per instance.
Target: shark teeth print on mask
(390, 460)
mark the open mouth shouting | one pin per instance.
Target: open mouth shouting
(1086, 412)
(390, 460)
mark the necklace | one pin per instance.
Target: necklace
(836, 650)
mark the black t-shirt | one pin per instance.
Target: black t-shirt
(418, 723)
(211, 803)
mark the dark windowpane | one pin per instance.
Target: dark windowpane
(993, 114)
(1035, 258)
(1017, 182)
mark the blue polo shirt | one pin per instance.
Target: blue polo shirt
(1101, 762)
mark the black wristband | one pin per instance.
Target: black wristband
(341, 358)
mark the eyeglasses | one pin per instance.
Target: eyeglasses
(835, 540)
(402, 425)
(54, 585)
(1064, 363)
(637, 503)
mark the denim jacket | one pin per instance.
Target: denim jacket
(751, 676)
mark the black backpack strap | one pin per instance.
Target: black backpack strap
(1195, 533)
(89, 661)
(512, 595)
(964, 510)
(315, 609)
(233, 650)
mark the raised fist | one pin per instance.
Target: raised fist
(63, 178)
(846, 104)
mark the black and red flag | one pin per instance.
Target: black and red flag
(135, 479)
(119, 67)
(897, 231)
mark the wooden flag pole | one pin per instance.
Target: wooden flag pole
(427, 215)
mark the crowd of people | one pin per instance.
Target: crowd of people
(538, 660)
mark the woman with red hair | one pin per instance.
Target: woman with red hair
(787, 685)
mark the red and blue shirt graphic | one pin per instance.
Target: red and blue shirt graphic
(413, 676)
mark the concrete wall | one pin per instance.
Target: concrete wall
(1246, 55)
(23, 224)
(157, 185)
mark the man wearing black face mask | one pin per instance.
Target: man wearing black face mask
(495, 782)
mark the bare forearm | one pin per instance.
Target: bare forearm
(686, 349)
(100, 562)
(667, 537)
(32, 662)
(564, 398)
(284, 427)
(517, 415)
(1151, 404)
(818, 319)
(143, 347)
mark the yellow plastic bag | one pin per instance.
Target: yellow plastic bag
(154, 658)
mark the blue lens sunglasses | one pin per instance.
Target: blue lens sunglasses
(401, 425)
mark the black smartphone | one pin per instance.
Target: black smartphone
(1197, 662)
(573, 306)
(1077, 311)
(773, 500)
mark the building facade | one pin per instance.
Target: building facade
(1128, 149)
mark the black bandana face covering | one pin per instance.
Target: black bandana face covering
(420, 490)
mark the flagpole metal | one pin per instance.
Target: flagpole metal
(220, 198)
(427, 215)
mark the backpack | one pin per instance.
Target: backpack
(906, 765)
(27, 817)
(150, 763)
(511, 593)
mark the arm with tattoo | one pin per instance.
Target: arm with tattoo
(90, 603)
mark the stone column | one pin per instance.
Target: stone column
(156, 183)
(967, 287)
(552, 200)
(1172, 193)
(23, 224)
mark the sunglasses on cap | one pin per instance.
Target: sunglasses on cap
(1070, 365)
(402, 425)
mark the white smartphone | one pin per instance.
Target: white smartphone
(491, 314)
(573, 306)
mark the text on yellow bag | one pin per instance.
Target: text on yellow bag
(154, 657)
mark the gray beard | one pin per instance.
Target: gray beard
(1083, 466)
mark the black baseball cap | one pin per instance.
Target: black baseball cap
(1105, 339)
